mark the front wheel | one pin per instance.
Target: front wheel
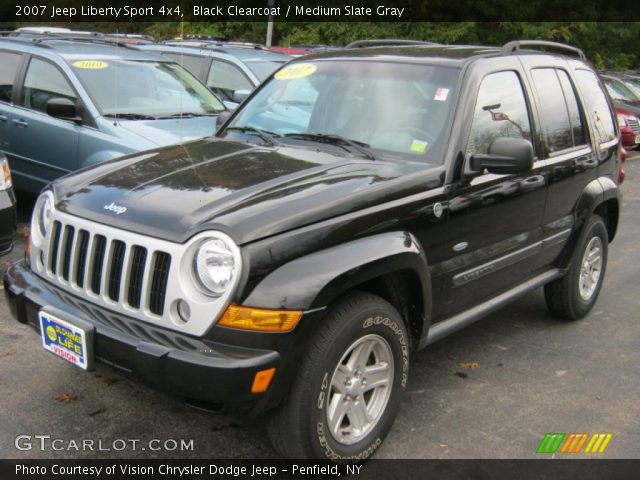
(349, 386)
(572, 296)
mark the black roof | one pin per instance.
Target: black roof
(454, 55)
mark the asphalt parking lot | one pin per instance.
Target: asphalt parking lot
(490, 391)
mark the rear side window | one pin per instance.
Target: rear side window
(561, 123)
(501, 111)
(42, 83)
(10, 64)
(224, 78)
(596, 106)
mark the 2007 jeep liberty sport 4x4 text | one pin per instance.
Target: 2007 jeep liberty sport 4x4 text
(359, 206)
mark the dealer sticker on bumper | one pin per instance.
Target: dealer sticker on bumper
(66, 340)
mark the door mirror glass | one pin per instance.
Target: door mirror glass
(63, 108)
(506, 155)
(240, 96)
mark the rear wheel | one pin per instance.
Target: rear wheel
(572, 296)
(348, 389)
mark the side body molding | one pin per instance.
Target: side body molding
(314, 280)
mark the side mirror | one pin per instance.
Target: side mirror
(506, 155)
(63, 108)
(240, 96)
(222, 118)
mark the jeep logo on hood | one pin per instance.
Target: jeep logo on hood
(115, 208)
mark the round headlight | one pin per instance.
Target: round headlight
(215, 266)
(42, 214)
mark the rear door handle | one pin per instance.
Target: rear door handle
(20, 123)
(3, 118)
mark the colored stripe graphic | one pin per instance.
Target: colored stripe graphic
(574, 443)
(598, 442)
(550, 443)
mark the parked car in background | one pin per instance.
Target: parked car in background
(230, 70)
(629, 128)
(8, 216)
(67, 103)
(623, 97)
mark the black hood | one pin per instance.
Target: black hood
(247, 191)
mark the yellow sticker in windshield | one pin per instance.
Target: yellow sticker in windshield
(90, 64)
(298, 70)
(418, 146)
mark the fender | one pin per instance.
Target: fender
(595, 193)
(313, 281)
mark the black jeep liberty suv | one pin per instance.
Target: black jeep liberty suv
(359, 206)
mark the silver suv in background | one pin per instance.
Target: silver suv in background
(230, 70)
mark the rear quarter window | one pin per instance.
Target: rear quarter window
(596, 106)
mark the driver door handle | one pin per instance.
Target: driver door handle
(20, 123)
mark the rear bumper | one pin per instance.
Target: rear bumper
(7, 220)
(195, 369)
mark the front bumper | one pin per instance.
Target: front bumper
(199, 370)
(7, 220)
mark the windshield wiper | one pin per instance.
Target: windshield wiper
(265, 135)
(337, 140)
(190, 115)
(131, 116)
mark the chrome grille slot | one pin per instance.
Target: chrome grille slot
(138, 261)
(159, 283)
(118, 250)
(53, 251)
(81, 262)
(100, 243)
(69, 232)
(634, 125)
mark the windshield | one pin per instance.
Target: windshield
(634, 85)
(393, 110)
(263, 69)
(620, 91)
(145, 89)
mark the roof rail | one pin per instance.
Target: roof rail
(386, 42)
(516, 45)
(93, 37)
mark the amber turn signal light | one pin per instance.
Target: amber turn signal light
(262, 380)
(259, 319)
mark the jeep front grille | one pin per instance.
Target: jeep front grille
(115, 270)
(633, 125)
(140, 276)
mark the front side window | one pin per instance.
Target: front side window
(192, 63)
(394, 110)
(262, 69)
(10, 64)
(501, 111)
(140, 89)
(225, 78)
(42, 83)
(596, 105)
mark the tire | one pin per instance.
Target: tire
(572, 296)
(307, 424)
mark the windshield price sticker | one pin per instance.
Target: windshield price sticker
(299, 70)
